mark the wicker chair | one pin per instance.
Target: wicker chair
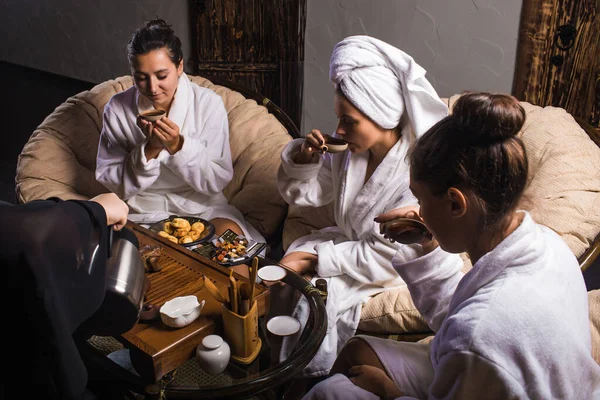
(59, 159)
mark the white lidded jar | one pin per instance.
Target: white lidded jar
(213, 354)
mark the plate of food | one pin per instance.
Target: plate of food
(186, 231)
(230, 249)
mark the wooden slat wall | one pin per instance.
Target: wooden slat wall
(575, 85)
(258, 44)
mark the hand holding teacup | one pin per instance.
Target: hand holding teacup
(318, 143)
(168, 133)
(404, 225)
(145, 121)
(312, 145)
(160, 131)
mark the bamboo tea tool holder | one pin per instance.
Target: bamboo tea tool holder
(241, 332)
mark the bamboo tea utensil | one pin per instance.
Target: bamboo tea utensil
(234, 295)
(244, 302)
(214, 290)
(253, 272)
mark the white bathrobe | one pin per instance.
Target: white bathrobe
(353, 256)
(191, 181)
(515, 327)
(385, 84)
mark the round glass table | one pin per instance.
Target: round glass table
(263, 377)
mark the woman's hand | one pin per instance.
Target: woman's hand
(374, 380)
(168, 133)
(154, 145)
(402, 212)
(115, 208)
(428, 242)
(147, 127)
(311, 146)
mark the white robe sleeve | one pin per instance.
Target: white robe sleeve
(204, 161)
(432, 281)
(304, 184)
(123, 172)
(366, 261)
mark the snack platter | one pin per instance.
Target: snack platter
(230, 249)
(186, 231)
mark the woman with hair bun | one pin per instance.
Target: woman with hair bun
(514, 327)
(179, 164)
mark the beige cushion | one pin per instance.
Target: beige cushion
(60, 157)
(563, 193)
(594, 301)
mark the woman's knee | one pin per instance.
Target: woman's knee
(222, 224)
(358, 351)
(298, 256)
(355, 352)
(301, 262)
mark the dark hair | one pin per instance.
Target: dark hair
(154, 35)
(477, 151)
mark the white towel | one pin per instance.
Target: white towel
(383, 81)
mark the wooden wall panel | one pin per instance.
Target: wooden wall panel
(545, 74)
(258, 44)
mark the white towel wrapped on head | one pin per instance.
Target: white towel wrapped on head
(383, 81)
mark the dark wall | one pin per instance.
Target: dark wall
(33, 95)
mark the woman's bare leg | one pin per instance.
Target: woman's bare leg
(355, 352)
(222, 224)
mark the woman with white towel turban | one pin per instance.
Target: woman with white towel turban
(383, 102)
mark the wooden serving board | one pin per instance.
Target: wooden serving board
(157, 349)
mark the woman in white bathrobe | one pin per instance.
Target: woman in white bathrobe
(181, 163)
(514, 327)
(383, 102)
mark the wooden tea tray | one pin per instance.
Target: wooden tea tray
(157, 349)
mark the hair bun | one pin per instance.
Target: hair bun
(486, 118)
(159, 25)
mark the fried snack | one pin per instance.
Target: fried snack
(181, 223)
(170, 237)
(198, 226)
(168, 227)
(181, 232)
(186, 239)
(195, 234)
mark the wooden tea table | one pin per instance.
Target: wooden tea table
(164, 358)
(157, 349)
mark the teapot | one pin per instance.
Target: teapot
(126, 286)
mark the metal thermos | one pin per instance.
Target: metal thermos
(125, 286)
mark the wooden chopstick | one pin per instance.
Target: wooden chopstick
(253, 272)
(244, 304)
(234, 295)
